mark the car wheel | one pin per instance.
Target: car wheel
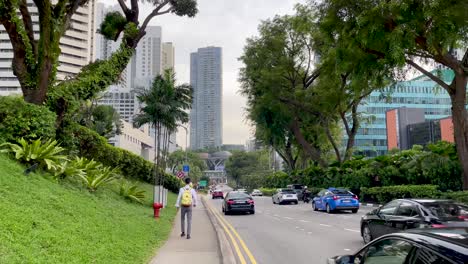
(273, 199)
(226, 212)
(314, 207)
(366, 234)
(252, 212)
(329, 210)
(354, 211)
(296, 202)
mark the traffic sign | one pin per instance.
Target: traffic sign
(180, 174)
(203, 183)
(186, 168)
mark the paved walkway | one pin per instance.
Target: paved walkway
(202, 248)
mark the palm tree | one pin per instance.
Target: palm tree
(165, 106)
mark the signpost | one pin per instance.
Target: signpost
(180, 174)
(203, 183)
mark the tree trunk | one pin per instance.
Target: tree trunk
(351, 132)
(460, 123)
(333, 142)
(311, 151)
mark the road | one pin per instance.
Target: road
(295, 233)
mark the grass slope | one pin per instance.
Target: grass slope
(42, 221)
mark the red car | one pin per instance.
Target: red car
(217, 194)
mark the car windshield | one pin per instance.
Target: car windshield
(238, 195)
(288, 191)
(446, 210)
(341, 191)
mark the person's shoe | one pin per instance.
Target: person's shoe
(188, 236)
(183, 234)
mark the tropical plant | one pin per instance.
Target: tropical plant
(95, 178)
(47, 154)
(131, 191)
(78, 166)
(165, 106)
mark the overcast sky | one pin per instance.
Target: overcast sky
(223, 23)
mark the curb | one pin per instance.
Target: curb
(224, 247)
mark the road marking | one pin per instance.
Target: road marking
(352, 230)
(325, 225)
(304, 221)
(277, 215)
(289, 218)
(302, 229)
(347, 249)
(233, 240)
(244, 246)
(310, 233)
(258, 211)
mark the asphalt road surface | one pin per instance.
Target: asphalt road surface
(295, 233)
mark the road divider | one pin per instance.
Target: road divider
(231, 232)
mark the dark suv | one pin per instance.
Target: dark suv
(404, 214)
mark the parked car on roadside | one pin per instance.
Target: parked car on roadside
(335, 199)
(417, 246)
(236, 201)
(256, 193)
(402, 214)
(217, 194)
(285, 196)
(298, 188)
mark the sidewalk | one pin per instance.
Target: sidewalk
(202, 248)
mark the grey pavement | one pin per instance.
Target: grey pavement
(295, 233)
(202, 248)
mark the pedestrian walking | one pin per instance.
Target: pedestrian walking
(186, 200)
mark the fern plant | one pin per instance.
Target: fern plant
(132, 192)
(95, 178)
(47, 154)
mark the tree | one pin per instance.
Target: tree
(247, 167)
(179, 157)
(165, 106)
(408, 32)
(35, 60)
(277, 79)
(103, 119)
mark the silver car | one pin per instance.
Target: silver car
(256, 193)
(285, 196)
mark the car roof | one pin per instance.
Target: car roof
(432, 200)
(455, 235)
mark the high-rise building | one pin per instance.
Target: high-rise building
(168, 55)
(77, 47)
(420, 92)
(206, 115)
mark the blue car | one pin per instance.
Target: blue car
(335, 199)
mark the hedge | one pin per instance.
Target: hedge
(461, 196)
(19, 119)
(386, 194)
(93, 146)
(268, 191)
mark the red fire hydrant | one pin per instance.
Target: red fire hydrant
(157, 207)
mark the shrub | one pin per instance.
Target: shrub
(47, 154)
(461, 196)
(388, 193)
(131, 192)
(268, 191)
(93, 146)
(19, 119)
(277, 180)
(95, 178)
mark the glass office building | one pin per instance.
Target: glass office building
(420, 92)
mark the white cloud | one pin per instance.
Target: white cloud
(224, 23)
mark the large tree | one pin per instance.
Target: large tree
(35, 60)
(410, 32)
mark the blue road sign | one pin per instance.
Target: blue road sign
(186, 168)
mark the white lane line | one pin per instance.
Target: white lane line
(347, 249)
(352, 230)
(304, 221)
(302, 229)
(277, 215)
(310, 233)
(259, 211)
(325, 225)
(289, 218)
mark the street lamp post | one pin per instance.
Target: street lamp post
(186, 144)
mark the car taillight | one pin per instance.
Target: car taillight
(356, 197)
(251, 201)
(335, 197)
(437, 226)
(231, 202)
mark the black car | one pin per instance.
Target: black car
(417, 246)
(404, 214)
(238, 202)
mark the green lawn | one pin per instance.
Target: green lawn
(42, 221)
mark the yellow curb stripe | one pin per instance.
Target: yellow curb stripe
(244, 246)
(233, 240)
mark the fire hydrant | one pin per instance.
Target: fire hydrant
(157, 207)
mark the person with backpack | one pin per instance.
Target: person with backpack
(186, 200)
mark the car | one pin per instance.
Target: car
(285, 196)
(217, 194)
(402, 214)
(298, 188)
(236, 201)
(335, 199)
(256, 193)
(242, 190)
(417, 246)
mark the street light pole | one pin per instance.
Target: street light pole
(186, 145)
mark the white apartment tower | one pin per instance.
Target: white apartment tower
(168, 55)
(77, 47)
(206, 121)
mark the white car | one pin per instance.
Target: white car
(285, 196)
(256, 193)
(242, 190)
